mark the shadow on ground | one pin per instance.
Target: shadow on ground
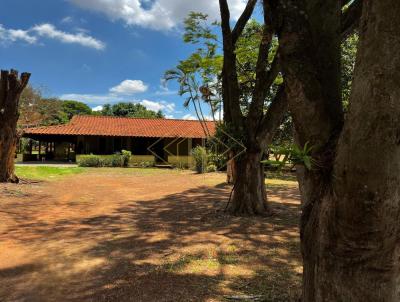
(179, 247)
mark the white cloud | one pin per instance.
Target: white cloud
(189, 117)
(164, 90)
(155, 106)
(91, 98)
(67, 19)
(13, 35)
(158, 14)
(97, 108)
(129, 87)
(169, 116)
(49, 31)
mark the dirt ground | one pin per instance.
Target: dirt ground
(147, 236)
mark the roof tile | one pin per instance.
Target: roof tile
(123, 126)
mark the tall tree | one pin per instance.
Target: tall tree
(34, 110)
(129, 109)
(11, 88)
(257, 121)
(350, 197)
(72, 108)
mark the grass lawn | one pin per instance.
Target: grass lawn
(56, 173)
(273, 179)
(45, 172)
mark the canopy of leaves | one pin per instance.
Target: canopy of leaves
(349, 51)
(38, 111)
(130, 110)
(72, 108)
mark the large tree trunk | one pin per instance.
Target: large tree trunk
(360, 238)
(351, 239)
(350, 231)
(10, 91)
(249, 195)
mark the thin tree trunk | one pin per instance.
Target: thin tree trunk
(10, 91)
(249, 195)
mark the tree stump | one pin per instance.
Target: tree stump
(11, 88)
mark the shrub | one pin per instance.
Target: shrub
(146, 164)
(200, 158)
(115, 160)
(126, 155)
(218, 160)
(211, 168)
(90, 161)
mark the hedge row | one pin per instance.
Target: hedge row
(115, 160)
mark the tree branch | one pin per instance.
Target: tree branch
(225, 17)
(230, 83)
(263, 84)
(350, 18)
(242, 21)
(263, 77)
(273, 118)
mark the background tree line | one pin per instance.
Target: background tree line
(36, 110)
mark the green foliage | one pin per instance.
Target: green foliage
(197, 75)
(284, 134)
(126, 156)
(217, 159)
(348, 58)
(114, 160)
(38, 111)
(145, 164)
(72, 108)
(203, 67)
(129, 109)
(35, 110)
(90, 161)
(197, 29)
(292, 154)
(228, 137)
(211, 168)
(46, 173)
(199, 154)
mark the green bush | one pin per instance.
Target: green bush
(211, 168)
(200, 158)
(146, 164)
(126, 156)
(90, 161)
(115, 160)
(218, 160)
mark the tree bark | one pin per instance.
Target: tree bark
(249, 195)
(350, 232)
(258, 126)
(359, 234)
(10, 90)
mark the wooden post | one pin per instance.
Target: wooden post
(68, 151)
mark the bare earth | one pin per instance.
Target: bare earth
(121, 236)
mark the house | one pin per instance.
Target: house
(150, 140)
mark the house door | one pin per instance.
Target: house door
(162, 156)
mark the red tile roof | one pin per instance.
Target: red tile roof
(122, 126)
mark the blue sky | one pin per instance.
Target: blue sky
(101, 51)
